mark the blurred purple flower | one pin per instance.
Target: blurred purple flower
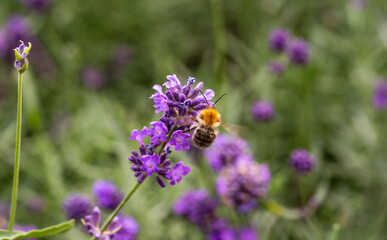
(198, 207)
(301, 161)
(92, 223)
(122, 55)
(230, 233)
(298, 52)
(278, 40)
(379, 99)
(128, 230)
(76, 206)
(35, 204)
(177, 171)
(3, 43)
(225, 151)
(93, 78)
(37, 5)
(241, 186)
(262, 111)
(276, 67)
(107, 194)
(359, 3)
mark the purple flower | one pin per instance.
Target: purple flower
(276, 67)
(107, 194)
(228, 232)
(3, 43)
(150, 164)
(299, 52)
(92, 223)
(37, 5)
(198, 207)
(225, 151)
(278, 40)
(139, 136)
(301, 161)
(129, 229)
(379, 99)
(262, 111)
(175, 175)
(242, 185)
(77, 206)
(158, 132)
(180, 140)
(35, 204)
(93, 78)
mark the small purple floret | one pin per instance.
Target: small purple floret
(93, 221)
(150, 163)
(301, 161)
(175, 175)
(180, 140)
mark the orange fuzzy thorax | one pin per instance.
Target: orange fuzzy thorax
(210, 117)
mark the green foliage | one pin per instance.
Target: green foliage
(38, 233)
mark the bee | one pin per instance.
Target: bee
(206, 125)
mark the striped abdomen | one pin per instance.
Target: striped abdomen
(203, 136)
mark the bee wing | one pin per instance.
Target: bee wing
(233, 129)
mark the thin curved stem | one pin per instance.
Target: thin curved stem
(15, 186)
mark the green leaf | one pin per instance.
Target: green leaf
(37, 233)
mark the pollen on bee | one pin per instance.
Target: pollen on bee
(210, 116)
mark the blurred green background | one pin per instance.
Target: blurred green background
(75, 127)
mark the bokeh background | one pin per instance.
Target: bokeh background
(92, 68)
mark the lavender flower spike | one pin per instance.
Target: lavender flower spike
(263, 111)
(179, 105)
(92, 223)
(299, 52)
(21, 53)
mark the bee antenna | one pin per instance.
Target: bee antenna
(219, 99)
(204, 97)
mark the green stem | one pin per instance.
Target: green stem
(15, 186)
(122, 204)
(219, 38)
(126, 199)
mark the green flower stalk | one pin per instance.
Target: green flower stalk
(21, 64)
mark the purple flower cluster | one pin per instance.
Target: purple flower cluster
(179, 105)
(37, 5)
(225, 151)
(107, 194)
(301, 161)
(200, 209)
(262, 111)
(241, 186)
(296, 50)
(128, 230)
(379, 99)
